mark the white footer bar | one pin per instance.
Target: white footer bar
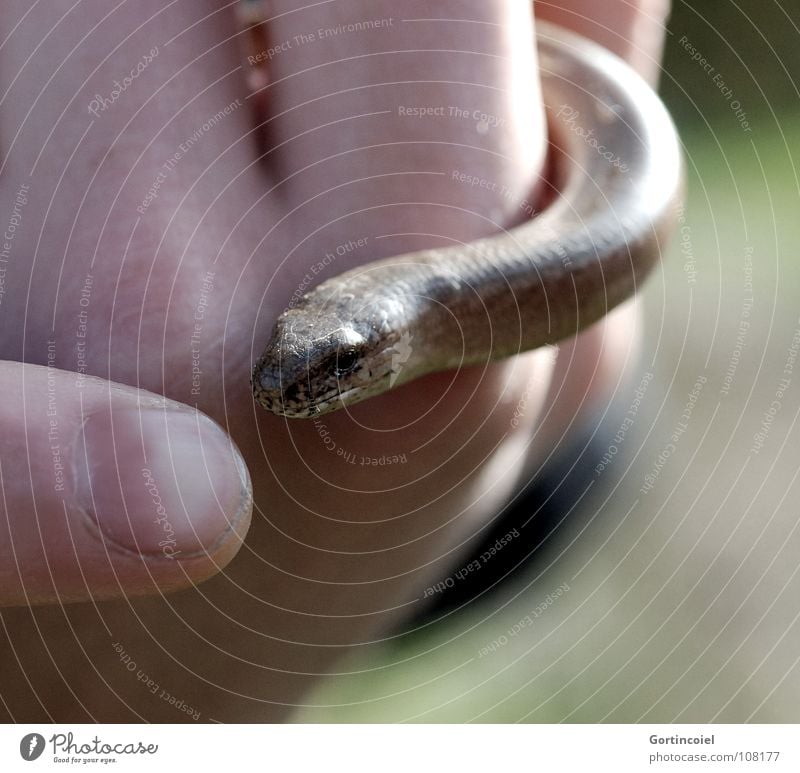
(401, 748)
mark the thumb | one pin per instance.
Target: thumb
(107, 491)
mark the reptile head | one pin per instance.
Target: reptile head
(320, 361)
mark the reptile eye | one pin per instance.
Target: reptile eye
(346, 360)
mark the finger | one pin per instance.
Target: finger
(109, 491)
(131, 139)
(632, 29)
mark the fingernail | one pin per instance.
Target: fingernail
(161, 482)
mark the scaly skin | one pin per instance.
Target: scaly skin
(619, 176)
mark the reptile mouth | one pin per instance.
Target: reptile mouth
(330, 401)
(281, 403)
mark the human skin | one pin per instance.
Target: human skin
(336, 552)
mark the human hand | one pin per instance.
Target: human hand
(338, 549)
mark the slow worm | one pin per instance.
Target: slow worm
(618, 178)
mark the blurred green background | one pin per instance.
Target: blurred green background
(683, 602)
